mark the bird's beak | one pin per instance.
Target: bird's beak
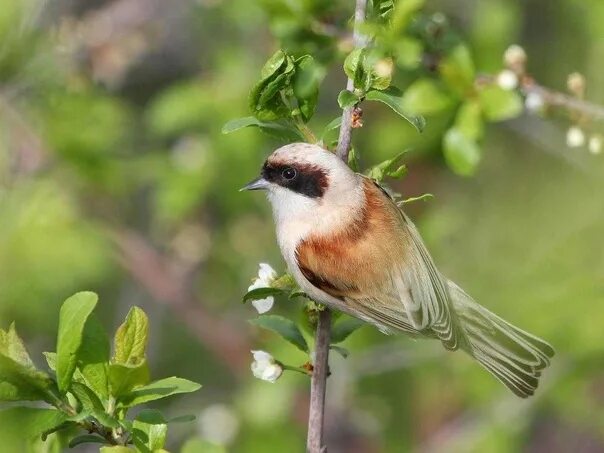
(257, 184)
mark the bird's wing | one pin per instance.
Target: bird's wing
(387, 273)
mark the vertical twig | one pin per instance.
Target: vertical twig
(314, 443)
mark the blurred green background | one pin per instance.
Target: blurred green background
(115, 177)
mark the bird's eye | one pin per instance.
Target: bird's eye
(289, 173)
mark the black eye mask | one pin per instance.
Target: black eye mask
(305, 179)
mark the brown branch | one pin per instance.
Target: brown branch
(573, 104)
(346, 128)
(168, 281)
(314, 442)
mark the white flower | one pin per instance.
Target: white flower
(575, 137)
(219, 424)
(266, 276)
(576, 83)
(384, 67)
(507, 79)
(595, 144)
(534, 102)
(265, 367)
(515, 57)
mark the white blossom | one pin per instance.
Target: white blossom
(266, 276)
(534, 102)
(575, 137)
(219, 424)
(515, 57)
(384, 67)
(576, 83)
(595, 144)
(265, 367)
(507, 80)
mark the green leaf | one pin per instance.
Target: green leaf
(149, 431)
(425, 97)
(499, 104)
(29, 422)
(131, 338)
(124, 378)
(94, 357)
(284, 327)
(157, 390)
(197, 445)
(92, 404)
(277, 130)
(353, 160)
(389, 167)
(183, 419)
(469, 120)
(305, 83)
(354, 68)
(87, 439)
(347, 99)
(340, 350)
(332, 125)
(261, 293)
(408, 52)
(461, 152)
(392, 99)
(72, 319)
(423, 197)
(457, 70)
(19, 378)
(273, 64)
(344, 327)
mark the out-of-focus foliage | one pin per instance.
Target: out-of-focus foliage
(115, 176)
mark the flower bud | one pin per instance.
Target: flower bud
(534, 102)
(507, 80)
(575, 137)
(266, 276)
(576, 84)
(265, 367)
(595, 144)
(515, 58)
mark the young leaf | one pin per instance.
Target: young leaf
(457, 70)
(499, 104)
(425, 97)
(305, 83)
(29, 422)
(131, 338)
(347, 99)
(469, 120)
(261, 293)
(284, 327)
(19, 378)
(355, 70)
(88, 439)
(124, 378)
(461, 153)
(94, 357)
(340, 350)
(392, 99)
(116, 449)
(149, 431)
(344, 327)
(72, 319)
(272, 65)
(157, 390)
(277, 130)
(332, 125)
(389, 167)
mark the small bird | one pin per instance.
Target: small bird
(349, 246)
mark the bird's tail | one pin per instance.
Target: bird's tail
(513, 356)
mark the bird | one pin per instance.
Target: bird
(349, 246)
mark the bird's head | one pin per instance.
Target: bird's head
(300, 178)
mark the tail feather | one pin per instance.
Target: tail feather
(513, 356)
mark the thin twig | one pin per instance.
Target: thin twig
(314, 443)
(346, 128)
